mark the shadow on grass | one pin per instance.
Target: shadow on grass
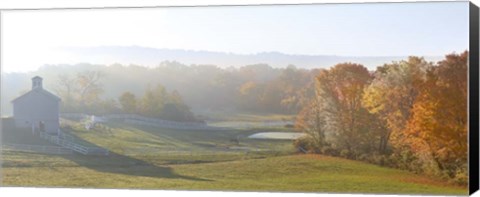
(121, 164)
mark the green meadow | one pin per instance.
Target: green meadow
(156, 158)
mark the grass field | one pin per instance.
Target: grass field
(171, 145)
(157, 158)
(306, 173)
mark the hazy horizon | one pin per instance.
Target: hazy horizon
(152, 57)
(32, 38)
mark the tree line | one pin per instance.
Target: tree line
(82, 93)
(257, 88)
(410, 114)
(157, 103)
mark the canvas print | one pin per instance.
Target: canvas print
(324, 98)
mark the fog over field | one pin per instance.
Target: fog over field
(151, 57)
(132, 69)
(302, 98)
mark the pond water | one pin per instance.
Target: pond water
(277, 135)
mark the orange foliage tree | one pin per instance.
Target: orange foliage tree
(391, 96)
(439, 121)
(337, 110)
(413, 112)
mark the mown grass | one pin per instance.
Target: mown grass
(179, 146)
(157, 158)
(295, 173)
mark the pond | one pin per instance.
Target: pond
(277, 135)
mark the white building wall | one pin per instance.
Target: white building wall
(34, 108)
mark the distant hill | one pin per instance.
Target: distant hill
(152, 56)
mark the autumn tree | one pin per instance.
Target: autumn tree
(343, 87)
(81, 92)
(66, 89)
(439, 116)
(295, 85)
(338, 110)
(311, 121)
(391, 96)
(249, 95)
(89, 87)
(286, 93)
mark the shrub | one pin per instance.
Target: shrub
(345, 153)
(289, 126)
(304, 143)
(364, 157)
(327, 150)
(461, 176)
(380, 160)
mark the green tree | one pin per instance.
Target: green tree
(128, 102)
(153, 101)
(175, 109)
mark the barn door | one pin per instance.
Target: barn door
(41, 126)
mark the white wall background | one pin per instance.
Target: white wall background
(5, 4)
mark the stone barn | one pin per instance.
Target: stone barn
(37, 109)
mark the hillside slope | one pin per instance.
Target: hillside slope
(296, 173)
(156, 158)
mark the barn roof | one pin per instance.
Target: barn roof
(39, 90)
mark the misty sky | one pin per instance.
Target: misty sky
(33, 38)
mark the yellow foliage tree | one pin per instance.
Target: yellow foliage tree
(391, 96)
(340, 91)
(439, 120)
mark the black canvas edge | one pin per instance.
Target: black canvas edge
(473, 76)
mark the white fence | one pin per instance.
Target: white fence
(37, 149)
(154, 122)
(74, 115)
(170, 125)
(66, 141)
